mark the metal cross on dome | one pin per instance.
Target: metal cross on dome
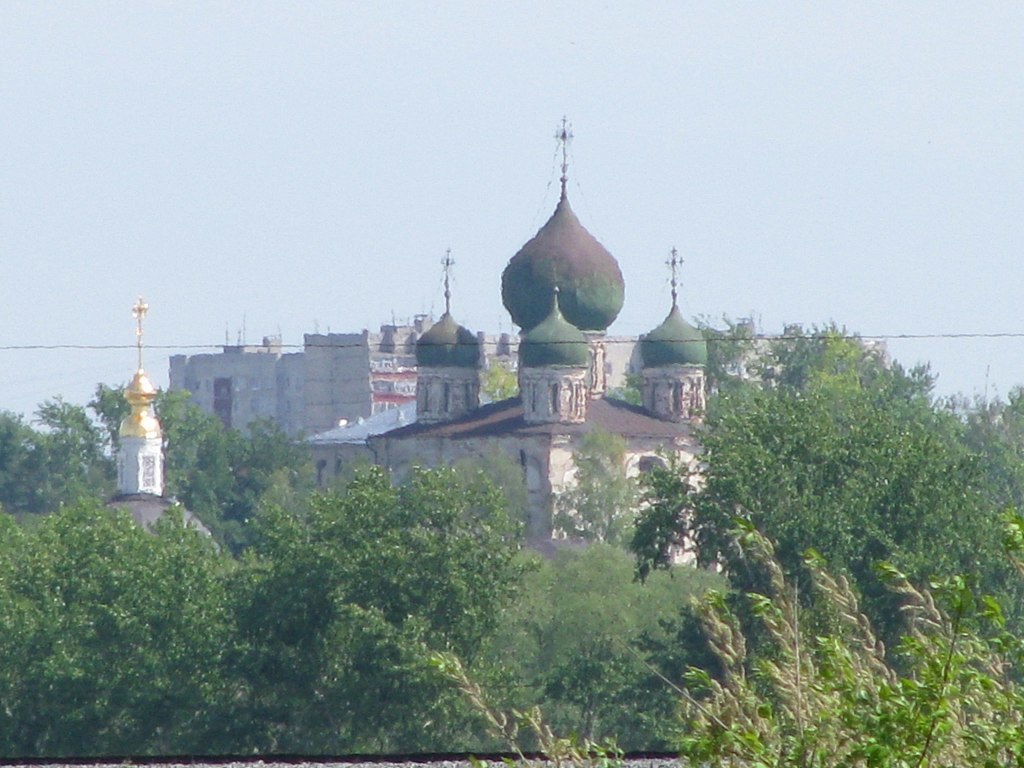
(673, 263)
(139, 313)
(447, 262)
(564, 136)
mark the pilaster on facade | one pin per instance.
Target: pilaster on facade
(597, 375)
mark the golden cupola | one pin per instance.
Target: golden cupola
(140, 393)
(140, 458)
(142, 421)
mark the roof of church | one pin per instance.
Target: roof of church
(506, 418)
(555, 341)
(565, 254)
(674, 342)
(448, 345)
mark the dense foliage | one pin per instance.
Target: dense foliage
(59, 459)
(597, 651)
(117, 641)
(834, 698)
(838, 451)
(112, 640)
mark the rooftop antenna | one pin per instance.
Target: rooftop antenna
(227, 335)
(564, 136)
(447, 263)
(139, 313)
(673, 263)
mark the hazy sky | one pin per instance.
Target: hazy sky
(290, 166)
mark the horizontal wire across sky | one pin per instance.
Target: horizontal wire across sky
(610, 340)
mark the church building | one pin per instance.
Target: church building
(563, 289)
(140, 457)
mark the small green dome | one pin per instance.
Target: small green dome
(554, 342)
(674, 342)
(448, 345)
(565, 254)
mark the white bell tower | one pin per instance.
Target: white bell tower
(140, 461)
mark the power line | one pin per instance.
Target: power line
(712, 339)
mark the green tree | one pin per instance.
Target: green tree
(24, 463)
(847, 456)
(338, 608)
(631, 391)
(220, 474)
(77, 463)
(492, 468)
(734, 353)
(600, 504)
(995, 431)
(111, 638)
(61, 462)
(110, 407)
(588, 644)
(498, 382)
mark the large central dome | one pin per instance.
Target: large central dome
(564, 255)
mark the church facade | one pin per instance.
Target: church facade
(563, 289)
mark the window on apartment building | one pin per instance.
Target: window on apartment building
(222, 400)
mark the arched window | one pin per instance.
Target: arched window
(651, 463)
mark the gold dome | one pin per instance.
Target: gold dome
(141, 422)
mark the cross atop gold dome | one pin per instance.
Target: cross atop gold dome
(140, 393)
(139, 311)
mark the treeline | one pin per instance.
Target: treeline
(315, 626)
(318, 640)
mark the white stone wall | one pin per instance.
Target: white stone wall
(140, 466)
(554, 395)
(545, 460)
(675, 392)
(446, 393)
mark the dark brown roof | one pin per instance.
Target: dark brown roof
(506, 418)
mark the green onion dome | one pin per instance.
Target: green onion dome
(565, 254)
(448, 345)
(554, 342)
(674, 342)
